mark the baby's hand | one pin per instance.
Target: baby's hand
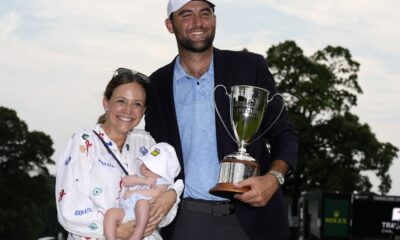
(127, 194)
(151, 181)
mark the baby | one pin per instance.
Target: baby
(158, 170)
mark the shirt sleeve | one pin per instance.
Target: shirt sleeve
(178, 188)
(281, 135)
(75, 210)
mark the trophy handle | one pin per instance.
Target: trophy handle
(276, 119)
(230, 104)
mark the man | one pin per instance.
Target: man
(181, 113)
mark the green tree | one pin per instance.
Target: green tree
(25, 189)
(335, 148)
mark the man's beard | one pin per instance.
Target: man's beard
(190, 45)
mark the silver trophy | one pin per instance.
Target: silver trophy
(247, 108)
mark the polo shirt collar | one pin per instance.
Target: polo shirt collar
(180, 73)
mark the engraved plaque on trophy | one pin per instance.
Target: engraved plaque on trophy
(247, 108)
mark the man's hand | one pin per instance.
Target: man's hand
(262, 188)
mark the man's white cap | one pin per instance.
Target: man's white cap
(174, 5)
(161, 159)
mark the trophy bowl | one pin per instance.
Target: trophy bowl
(247, 107)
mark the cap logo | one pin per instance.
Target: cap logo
(85, 136)
(155, 152)
(143, 150)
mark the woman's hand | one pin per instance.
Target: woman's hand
(160, 207)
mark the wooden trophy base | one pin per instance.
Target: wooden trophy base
(227, 190)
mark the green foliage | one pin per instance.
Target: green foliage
(26, 188)
(334, 146)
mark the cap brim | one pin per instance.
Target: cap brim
(171, 11)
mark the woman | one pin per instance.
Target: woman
(92, 165)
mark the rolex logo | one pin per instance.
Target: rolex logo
(336, 213)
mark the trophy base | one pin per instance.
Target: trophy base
(234, 170)
(227, 190)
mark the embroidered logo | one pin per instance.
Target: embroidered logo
(155, 152)
(82, 148)
(143, 150)
(85, 136)
(101, 134)
(93, 226)
(96, 191)
(88, 144)
(61, 194)
(101, 211)
(82, 212)
(67, 161)
(106, 164)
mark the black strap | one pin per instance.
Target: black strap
(109, 150)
